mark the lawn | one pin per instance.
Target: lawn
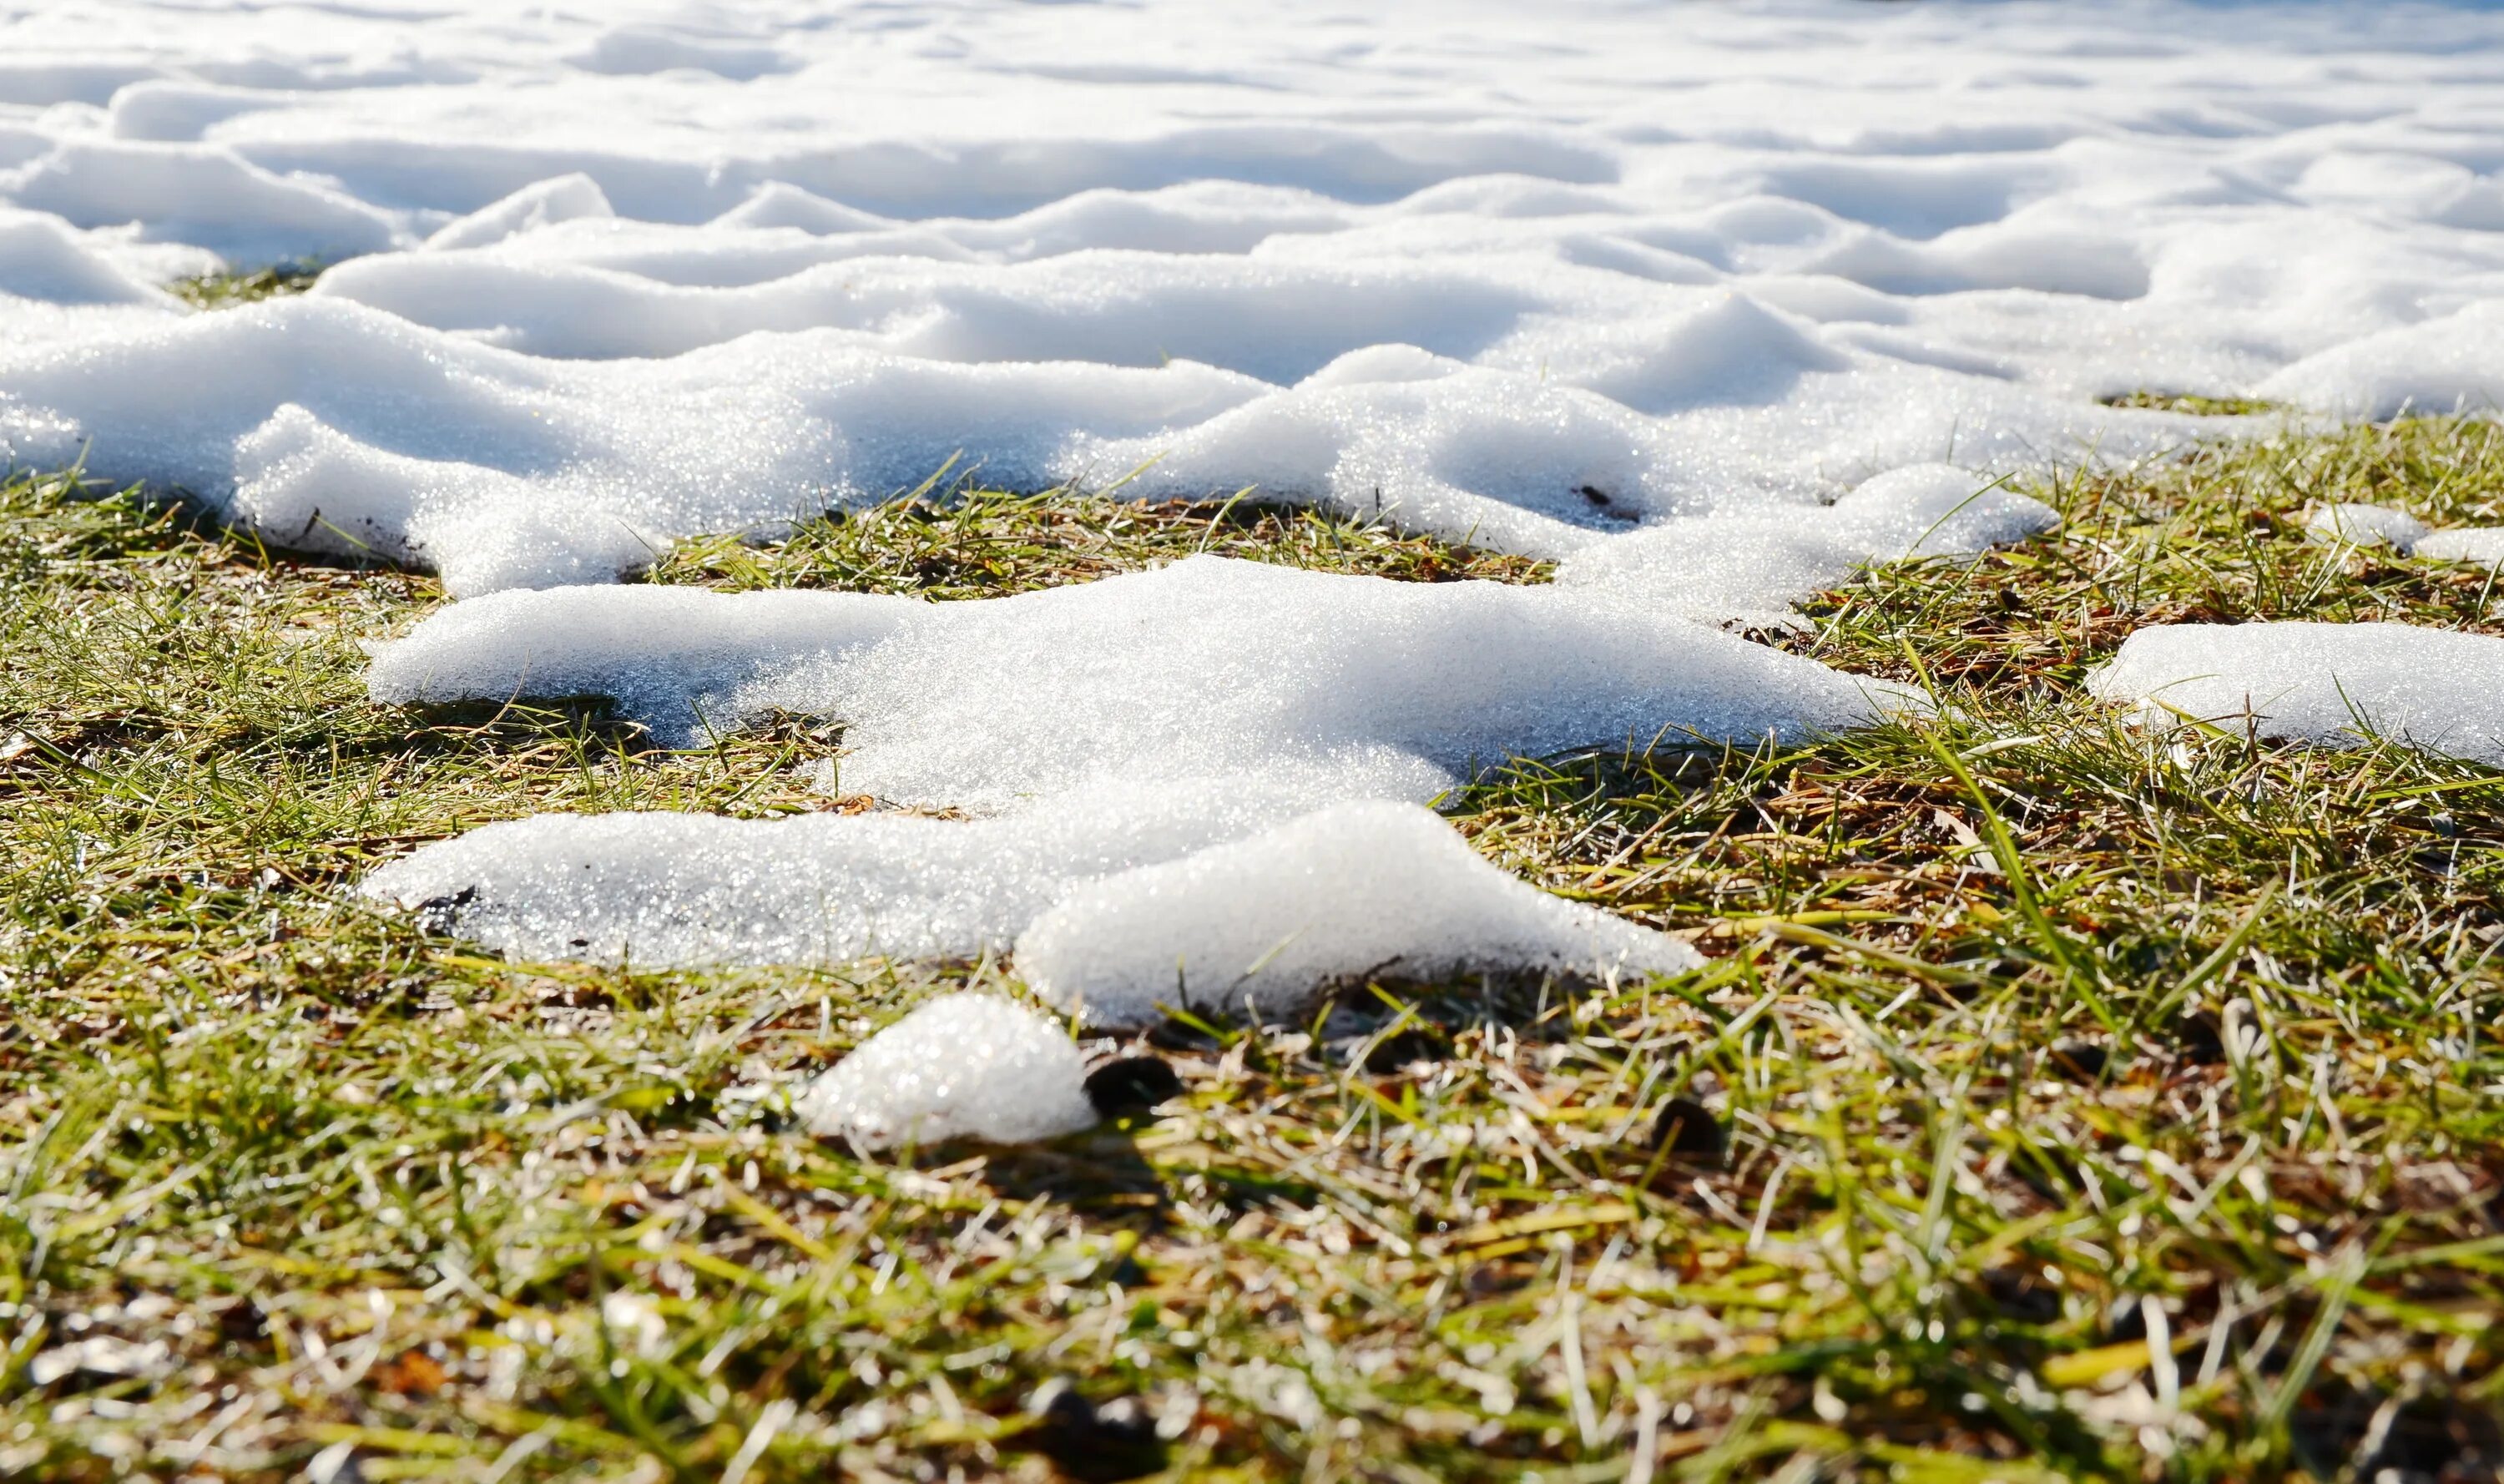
(2062, 1100)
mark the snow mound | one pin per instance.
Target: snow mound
(533, 208)
(42, 259)
(1217, 666)
(699, 891)
(2361, 524)
(1264, 925)
(2451, 363)
(2437, 690)
(965, 1066)
(1750, 566)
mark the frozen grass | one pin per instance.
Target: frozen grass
(2066, 1077)
(245, 286)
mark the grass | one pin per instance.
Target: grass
(2092, 1105)
(245, 286)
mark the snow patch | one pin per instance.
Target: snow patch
(1264, 925)
(683, 891)
(963, 1066)
(1210, 666)
(2439, 690)
(2361, 524)
(1747, 567)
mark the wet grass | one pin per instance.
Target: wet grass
(2082, 1104)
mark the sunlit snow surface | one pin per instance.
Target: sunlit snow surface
(1526, 274)
(2436, 689)
(1709, 304)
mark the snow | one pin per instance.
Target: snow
(667, 656)
(2439, 690)
(2363, 525)
(1358, 892)
(680, 890)
(1747, 567)
(1537, 281)
(965, 1066)
(1207, 665)
(2481, 544)
(1711, 306)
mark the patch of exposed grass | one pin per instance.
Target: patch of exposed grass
(2095, 1106)
(245, 286)
(2192, 404)
(983, 543)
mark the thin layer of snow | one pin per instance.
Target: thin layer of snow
(1525, 277)
(965, 1066)
(1358, 892)
(2436, 689)
(1208, 665)
(699, 891)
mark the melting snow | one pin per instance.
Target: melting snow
(1494, 272)
(2436, 689)
(1354, 892)
(1707, 304)
(1207, 665)
(698, 890)
(965, 1066)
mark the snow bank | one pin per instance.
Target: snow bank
(1360, 891)
(202, 194)
(2436, 689)
(965, 1066)
(1210, 666)
(532, 209)
(1542, 288)
(699, 891)
(1750, 566)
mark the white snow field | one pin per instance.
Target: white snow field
(2435, 689)
(1708, 304)
(1521, 274)
(1353, 892)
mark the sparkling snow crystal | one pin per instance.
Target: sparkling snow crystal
(1352, 892)
(965, 1066)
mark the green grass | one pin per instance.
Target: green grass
(245, 286)
(2097, 1105)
